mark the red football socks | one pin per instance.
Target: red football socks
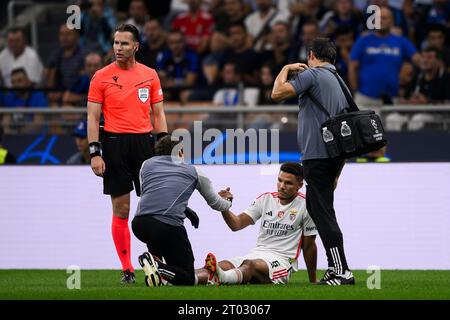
(121, 237)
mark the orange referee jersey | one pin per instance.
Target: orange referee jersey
(126, 96)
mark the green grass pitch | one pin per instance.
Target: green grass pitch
(104, 284)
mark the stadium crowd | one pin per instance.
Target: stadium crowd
(227, 52)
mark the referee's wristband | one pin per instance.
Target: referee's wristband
(161, 135)
(95, 149)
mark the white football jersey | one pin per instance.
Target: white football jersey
(282, 226)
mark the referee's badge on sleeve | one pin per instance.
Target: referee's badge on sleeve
(143, 94)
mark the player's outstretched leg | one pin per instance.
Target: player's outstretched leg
(150, 268)
(218, 276)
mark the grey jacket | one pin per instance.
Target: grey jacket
(166, 186)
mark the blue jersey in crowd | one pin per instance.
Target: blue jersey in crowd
(177, 69)
(380, 60)
(36, 99)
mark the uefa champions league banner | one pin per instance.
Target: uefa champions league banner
(394, 216)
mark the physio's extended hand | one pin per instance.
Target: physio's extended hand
(98, 166)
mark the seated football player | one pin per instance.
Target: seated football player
(286, 229)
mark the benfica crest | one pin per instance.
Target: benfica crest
(143, 94)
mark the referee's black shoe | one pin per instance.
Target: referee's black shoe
(128, 277)
(337, 279)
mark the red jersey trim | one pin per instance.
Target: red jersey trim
(301, 195)
(299, 248)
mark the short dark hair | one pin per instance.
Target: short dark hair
(237, 24)
(343, 30)
(294, 168)
(18, 29)
(165, 145)
(436, 27)
(19, 70)
(324, 49)
(436, 50)
(126, 27)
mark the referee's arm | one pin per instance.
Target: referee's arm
(159, 117)
(94, 111)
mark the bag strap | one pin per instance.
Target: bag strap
(351, 104)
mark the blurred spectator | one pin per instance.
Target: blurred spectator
(266, 78)
(344, 15)
(76, 95)
(375, 63)
(65, 64)
(138, 12)
(197, 25)
(245, 58)
(432, 86)
(179, 65)
(233, 12)
(230, 96)
(6, 157)
(159, 9)
(307, 11)
(280, 45)
(97, 24)
(23, 97)
(239, 53)
(438, 12)
(18, 54)
(433, 82)
(299, 52)
(154, 42)
(260, 22)
(406, 82)
(436, 37)
(81, 140)
(399, 22)
(344, 39)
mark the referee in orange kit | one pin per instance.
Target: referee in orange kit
(127, 92)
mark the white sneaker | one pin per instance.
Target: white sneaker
(150, 268)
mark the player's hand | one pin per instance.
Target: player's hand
(226, 194)
(98, 166)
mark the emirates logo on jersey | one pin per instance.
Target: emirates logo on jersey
(143, 94)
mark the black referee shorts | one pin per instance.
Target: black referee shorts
(124, 154)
